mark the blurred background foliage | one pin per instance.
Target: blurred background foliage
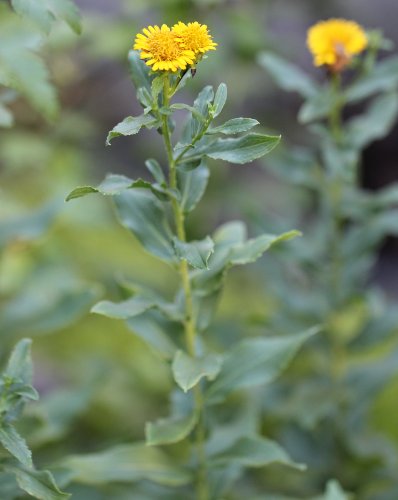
(96, 381)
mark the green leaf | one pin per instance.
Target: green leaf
(6, 117)
(220, 99)
(35, 11)
(188, 371)
(27, 227)
(383, 78)
(25, 72)
(242, 150)
(32, 312)
(19, 366)
(39, 484)
(130, 126)
(15, 444)
(375, 123)
(122, 310)
(317, 106)
(116, 184)
(67, 11)
(253, 249)
(192, 185)
(254, 362)
(126, 464)
(234, 126)
(199, 117)
(140, 212)
(140, 72)
(201, 104)
(196, 253)
(254, 452)
(156, 170)
(288, 76)
(333, 492)
(170, 430)
(134, 307)
(152, 329)
(44, 12)
(157, 87)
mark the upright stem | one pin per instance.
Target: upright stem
(335, 115)
(335, 200)
(189, 321)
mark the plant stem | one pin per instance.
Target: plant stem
(338, 351)
(335, 115)
(189, 322)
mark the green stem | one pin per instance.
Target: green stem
(335, 115)
(189, 321)
(195, 139)
(335, 191)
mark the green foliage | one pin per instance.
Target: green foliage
(21, 67)
(204, 375)
(126, 463)
(15, 391)
(335, 393)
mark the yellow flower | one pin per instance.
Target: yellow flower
(195, 37)
(335, 41)
(163, 49)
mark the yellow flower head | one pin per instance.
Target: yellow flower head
(163, 49)
(335, 41)
(195, 37)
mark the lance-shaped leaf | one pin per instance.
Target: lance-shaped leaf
(375, 123)
(38, 484)
(317, 106)
(140, 72)
(116, 184)
(192, 186)
(130, 126)
(334, 492)
(201, 105)
(139, 211)
(15, 444)
(24, 71)
(254, 452)
(383, 77)
(288, 76)
(156, 332)
(220, 99)
(135, 306)
(126, 464)
(234, 126)
(254, 362)
(252, 249)
(241, 150)
(196, 253)
(19, 366)
(170, 430)
(6, 117)
(29, 226)
(232, 248)
(188, 371)
(156, 170)
(123, 310)
(44, 13)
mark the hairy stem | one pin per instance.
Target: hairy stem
(189, 322)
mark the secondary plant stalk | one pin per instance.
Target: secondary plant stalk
(189, 321)
(338, 358)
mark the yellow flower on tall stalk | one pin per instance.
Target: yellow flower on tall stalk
(163, 49)
(195, 37)
(334, 42)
